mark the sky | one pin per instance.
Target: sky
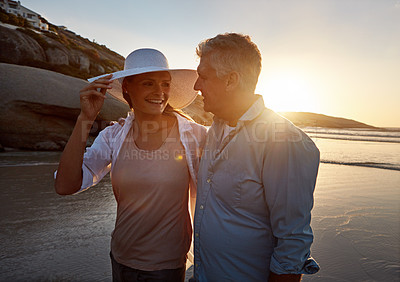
(334, 57)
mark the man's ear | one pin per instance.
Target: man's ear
(232, 81)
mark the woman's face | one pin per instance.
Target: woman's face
(149, 92)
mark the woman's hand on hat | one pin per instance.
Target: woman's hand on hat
(92, 97)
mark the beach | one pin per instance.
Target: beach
(47, 237)
(356, 224)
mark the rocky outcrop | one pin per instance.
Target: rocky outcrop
(39, 108)
(61, 51)
(58, 56)
(16, 47)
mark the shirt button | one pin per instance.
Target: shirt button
(197, 265)
(201, 207)
(208, 180)
(197, 234)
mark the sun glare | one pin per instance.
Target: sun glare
(288, 92)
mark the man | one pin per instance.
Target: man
(256, 178)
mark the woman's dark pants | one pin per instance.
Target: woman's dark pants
(122, 273)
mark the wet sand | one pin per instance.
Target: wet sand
(48, 237)
(356, 224)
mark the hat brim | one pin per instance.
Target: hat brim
(181, 92)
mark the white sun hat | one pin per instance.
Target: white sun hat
(147, 60)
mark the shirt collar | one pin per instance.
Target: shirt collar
(255, 110)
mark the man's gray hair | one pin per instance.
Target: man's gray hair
(233, 52)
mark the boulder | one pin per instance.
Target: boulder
(16, 47)
(39, 108)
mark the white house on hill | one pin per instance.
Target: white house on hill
(15, 7)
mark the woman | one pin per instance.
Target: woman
(153, 159)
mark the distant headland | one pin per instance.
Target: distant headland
(304, 119)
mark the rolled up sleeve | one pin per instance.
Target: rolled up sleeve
(289, 176)
(98, 157)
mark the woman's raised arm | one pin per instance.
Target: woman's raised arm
(69, 173)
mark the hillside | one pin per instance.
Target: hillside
(58, 49)
(303, 119)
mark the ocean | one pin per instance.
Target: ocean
(358, 147)
(47, 237)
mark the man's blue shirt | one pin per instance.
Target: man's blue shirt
(254, 199)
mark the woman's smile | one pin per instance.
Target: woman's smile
(155, 101)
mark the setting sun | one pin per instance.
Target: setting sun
(288, 91)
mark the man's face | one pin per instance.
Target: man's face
(212, 88)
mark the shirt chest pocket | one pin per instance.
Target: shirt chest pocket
(252, 196)
(239, 187)
(224, 185)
